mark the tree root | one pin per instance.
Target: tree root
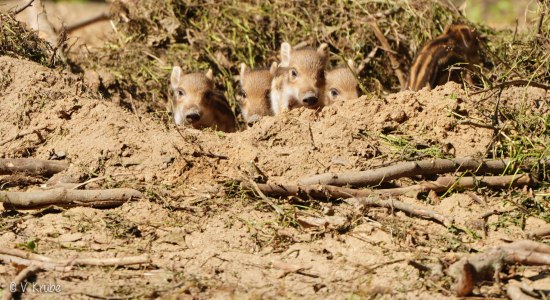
(442, 184)
(68, 198)
(417, 211)
(424, 167)
(31, 166)
(24, 258)
(468, 271)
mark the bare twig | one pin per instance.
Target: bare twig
(386, 46)
(472, 123)
(68, 198)
(16, 282)
(19, 10)
(101, 17)
(266, 200)
(518, 82)
(424, 167)
(467, 271)
(291, 268)
(27, 259)
(24, 133)
(497, 212)
(417, 211)
(31, 166)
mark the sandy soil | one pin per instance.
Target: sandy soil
(206, 239)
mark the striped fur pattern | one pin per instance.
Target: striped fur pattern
(458, 44)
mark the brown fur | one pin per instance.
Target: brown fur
(342, 84)
(196, 103)
(300, 79)
(253, 98)
(457, 44)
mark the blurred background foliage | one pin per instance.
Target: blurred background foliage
(151, 36)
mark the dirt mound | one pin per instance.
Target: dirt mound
(207, 240)
(102, 138)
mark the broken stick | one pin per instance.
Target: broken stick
(31, 166)
(417, 211)
(68, 198)
(469, 270)
(414, 168)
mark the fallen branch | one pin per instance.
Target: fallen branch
(43, 262)
(468, 271)
(442, 184)
(25, 133)
(18, 280)
(417, 211)
(31, 166)
(409, 169)
(68, 198)
(325, 192)
(386, 46)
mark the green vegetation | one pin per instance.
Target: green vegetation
(17, 41)
(152, 37)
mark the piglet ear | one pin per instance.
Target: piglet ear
(273, 68)
(175, 77)
(242, 69)
(285, 55)
(210, 74)
(351, 65)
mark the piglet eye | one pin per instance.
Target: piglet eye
(242, 93)
(180, 93)
(293, 73)
(334, 93)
